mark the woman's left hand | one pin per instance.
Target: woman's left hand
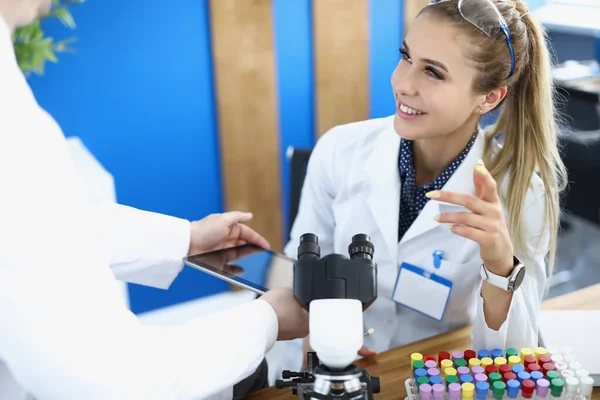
(485, 224)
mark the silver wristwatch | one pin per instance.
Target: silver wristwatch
(509, 283)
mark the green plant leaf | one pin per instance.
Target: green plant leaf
(63, 16)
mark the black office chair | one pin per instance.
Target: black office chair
(298, 159)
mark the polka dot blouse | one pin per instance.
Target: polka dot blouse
(412, 198)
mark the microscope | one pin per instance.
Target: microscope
(335, 290)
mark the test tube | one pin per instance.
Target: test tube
(439, 391)
(474, 362)
(451, 379)
(463, 371)
(431, 364)
(525, 352)
(485, 361)
(581, 373)
(505, 369)
(541, 388)
(552, 375)
(482, 390)
(454, 391)
(415, 357)
(480, 378)
(529, 360)
(429, 358)
(491, 369)
(433, 372)
(444, 365)
(560, 366)
(586, 385)
(498, 389)
(522, 376)
(478, 369)
(567, 373)
(419, 372)
(443, 355)
(434, 380)
(512, 360)
(548, 367)
(460, 362)
(494, 377)
(457, 354)
(527, 389)
(572, 385)
(469, 354)
(509, 376)
(512, 388)
(422, 380)
(499, 361)
(418, 364)
(533, 367)
(425, 391)
(556, 388)
(450, 372)
(536, 375)
(543, 359)
(511, 352)
(466, 379)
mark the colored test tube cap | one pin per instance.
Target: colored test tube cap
(450, 371)
(528, 386)
(498, 387)
(560, 366)
(580, 373)
(443, 355)
(438, 390)
(418, 365)
(503, 369)
(420, 372)
(446, 364)
(433, 372)
(454, 388)
(497, 353)
(567, 373)
(466, 378)
(539, 351)
(536, 375)
(550, 375)
(425, 389)
(483, 354)
(463, 371)
(451, 379)
(482, 389)
(509, 376)
(435, 380)
(533, 367)
(495, 376)
(511, 351)
(474, 362)
(542, 386)
(470, 354)
(518, 368)
(468, 389)
(548, 367)
(481, 378)
(529, 360)
(556, 387)
(512, 387)
(526, 351)
(485, 361)
(512, 360)
(457, 354)
(431, 364)
(422, 380)
(416, 357)
(460, 362)
(523, 375)
(498, 361)
(543, 359)
(491, 368)
(478, 369)
(556, 357)
(427, 358)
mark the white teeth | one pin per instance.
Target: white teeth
(409, 110)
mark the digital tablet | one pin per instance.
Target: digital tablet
(248, 266)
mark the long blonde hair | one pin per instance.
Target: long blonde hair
(528, 122)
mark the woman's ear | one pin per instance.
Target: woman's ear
(492, 99)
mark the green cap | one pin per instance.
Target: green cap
(460, 362)
(550, 375)
(494, 377)
(556, 386)
(511, 352)
(498, 388)
(418, 364)
(451, 379)
(422, 380)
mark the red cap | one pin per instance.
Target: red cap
(528, 386)
(529, 360)
(533, 367)
(508, 376)
(504, 368)
(427, 358)
(544, 359)
(548, 367)
(470, 354)
(443, 355)
(491, 368)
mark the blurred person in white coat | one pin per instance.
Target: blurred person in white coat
(462, 218)
(66, 332)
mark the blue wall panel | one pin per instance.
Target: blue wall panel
(386, 22)
(295, 81)
(139, 93)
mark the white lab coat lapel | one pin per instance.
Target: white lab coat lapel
(381, 168)
(461, 181)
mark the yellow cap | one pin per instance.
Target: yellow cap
(446, 364)
(485, 361)
(512, 360)
(450, 371)
(468, 389)
(525, 351)
(415, 357)
(540, 351)
(498, 361)
(474, 362)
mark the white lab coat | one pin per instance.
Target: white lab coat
(65, 332)
(353, 186)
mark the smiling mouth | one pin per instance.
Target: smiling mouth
(408, 110)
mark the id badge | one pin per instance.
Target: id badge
(422, 291)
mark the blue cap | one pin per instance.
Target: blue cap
(517, 368)
(535, 375)
(420, 372)
(512, 387)
(497, 353)
(435, 379)
(482, 389)
(523, 376)
(466, 378)
(483, 353)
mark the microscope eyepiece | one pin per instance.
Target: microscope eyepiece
(309, 246)
(361, 247)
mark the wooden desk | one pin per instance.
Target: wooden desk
(393, 367)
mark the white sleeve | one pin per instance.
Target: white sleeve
(315, 211)
(65, 332)
(520, 329)
(143, 247)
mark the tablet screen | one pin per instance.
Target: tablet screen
(248, 266)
